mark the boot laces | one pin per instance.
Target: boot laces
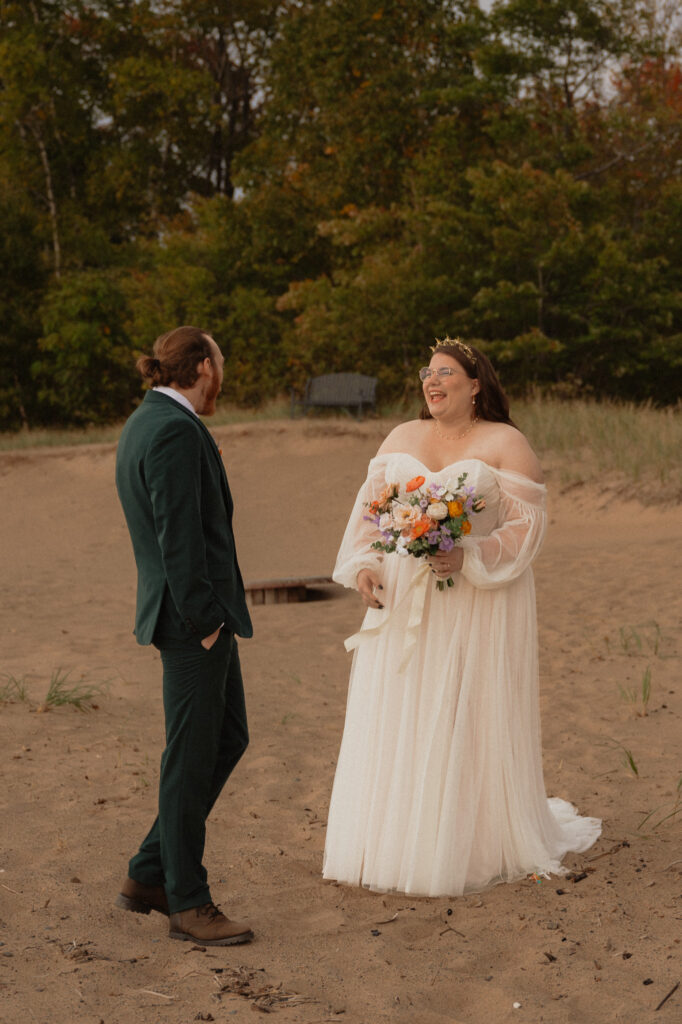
(211, 911)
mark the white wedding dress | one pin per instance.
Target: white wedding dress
(439, 787)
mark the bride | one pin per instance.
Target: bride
(439, 788)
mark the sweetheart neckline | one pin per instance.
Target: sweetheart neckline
(457, 462)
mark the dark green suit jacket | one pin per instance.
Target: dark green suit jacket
(172, 485)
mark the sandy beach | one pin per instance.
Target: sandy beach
(79, 789)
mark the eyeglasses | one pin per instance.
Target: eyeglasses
(444, 371)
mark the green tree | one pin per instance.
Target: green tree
(47, 90)
(22, 281)
(329, 185)
(184, 96)
(353, 90)
(84, 369)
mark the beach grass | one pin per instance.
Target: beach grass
(626, 756)
(628, 447)
(590, 440)
(646, 639)
(53, 437)
(665, 813)
(62, 692)
(633, 447)
(638, 697)
(12, 689)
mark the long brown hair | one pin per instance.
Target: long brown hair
(491, 403)
(175, 359)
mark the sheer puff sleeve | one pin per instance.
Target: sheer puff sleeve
(503, 555)
(356, 552)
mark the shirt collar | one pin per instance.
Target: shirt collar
(176, 396)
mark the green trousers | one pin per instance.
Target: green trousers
(206, 734)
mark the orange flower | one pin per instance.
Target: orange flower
(466, 527)
(421, 527)
(416, 482)
(374, 507)
(455, 508)
(388, 492)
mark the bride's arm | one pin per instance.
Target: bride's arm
(356, 552)
(506, 553)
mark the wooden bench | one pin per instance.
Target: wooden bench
(337, 391)
(284, 591)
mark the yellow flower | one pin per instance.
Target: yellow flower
(455, 508)
(466, 527)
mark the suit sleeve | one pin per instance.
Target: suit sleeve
(173, 471)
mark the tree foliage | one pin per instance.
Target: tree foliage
(329, 185)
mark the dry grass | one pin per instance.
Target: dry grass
(624, 447)
(54, 438)
(621, 444)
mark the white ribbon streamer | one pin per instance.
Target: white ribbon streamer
(415, 592)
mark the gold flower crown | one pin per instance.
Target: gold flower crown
(454, 343)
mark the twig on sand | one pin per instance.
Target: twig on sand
(607, 853)
(10, 890)
(151, 992)
(666, 998)
(264, 997)
(388, 919)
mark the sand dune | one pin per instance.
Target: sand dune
(79, 789)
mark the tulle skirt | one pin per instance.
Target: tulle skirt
(439, 787)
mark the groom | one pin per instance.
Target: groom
(190, 605)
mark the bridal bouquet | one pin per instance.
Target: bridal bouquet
(423, 520)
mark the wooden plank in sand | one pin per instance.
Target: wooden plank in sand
(283, 591)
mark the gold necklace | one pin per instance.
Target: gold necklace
(457, 437)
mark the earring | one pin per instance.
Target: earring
(473, 399)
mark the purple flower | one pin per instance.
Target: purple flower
(447, 543)
(433, 536)
(424, 503)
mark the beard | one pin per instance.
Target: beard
(210, 394)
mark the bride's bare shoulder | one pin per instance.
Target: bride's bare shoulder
(509, 449)
(403, 438)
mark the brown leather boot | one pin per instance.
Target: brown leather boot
(142, 898)
(208, 926)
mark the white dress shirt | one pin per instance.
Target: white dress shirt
(172, 393)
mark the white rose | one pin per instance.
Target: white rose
(401, 547)
(386, 522)
(437, 510)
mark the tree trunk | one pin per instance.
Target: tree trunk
(51, 202)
